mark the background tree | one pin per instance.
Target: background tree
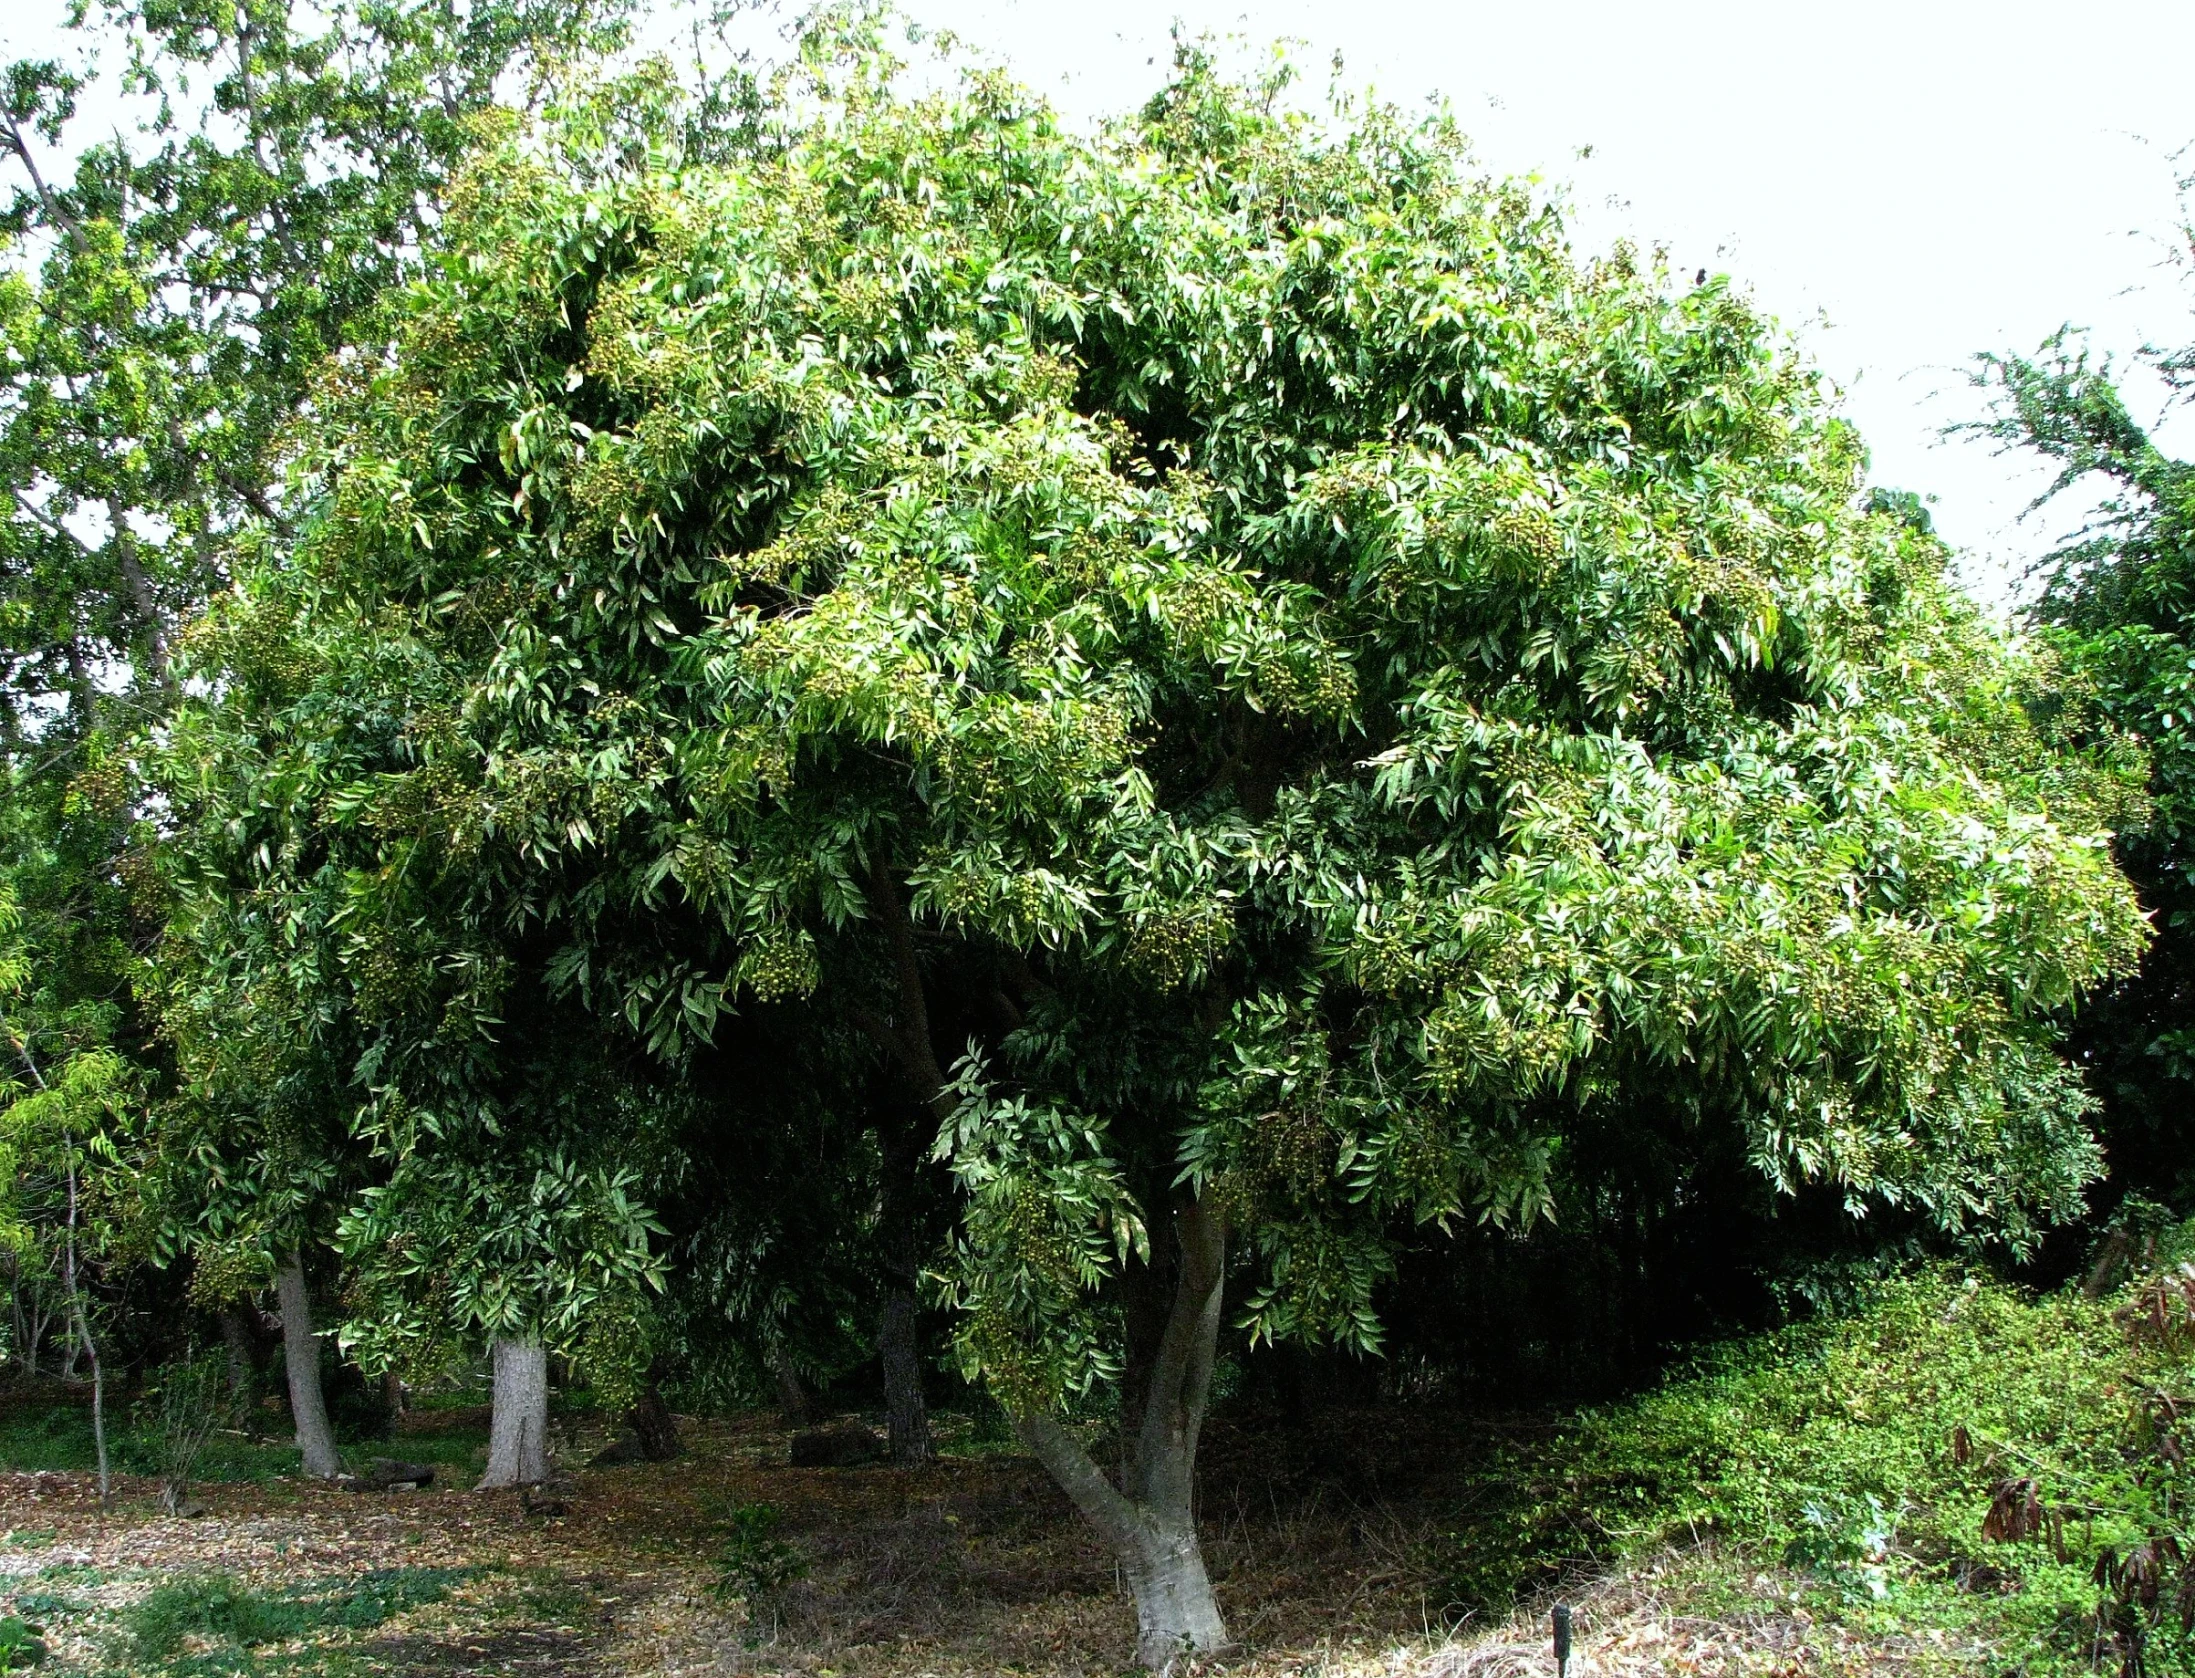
(1273, 695)
(2115, 612)
(169, 292)
(64, 1109)
(173, 290)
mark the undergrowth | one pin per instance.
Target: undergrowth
(214, 1627)
(1867, 1455)
(49, 1428)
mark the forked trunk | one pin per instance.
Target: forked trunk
(518, 1431)
(301, 1360)
(1150, 1518)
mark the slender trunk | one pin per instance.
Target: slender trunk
(655, 1426)
(238, 1340)
(83, 1330)
(1150, 1518)
(25, 1354)
(301, 1356)
(41, 1318)
(518, 1431)
(792, 1397)
(392, 1397)
(908, 1417)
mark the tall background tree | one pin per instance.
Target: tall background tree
(170, 289)
(2116, 611)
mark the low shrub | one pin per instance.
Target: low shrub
(1951, 1427)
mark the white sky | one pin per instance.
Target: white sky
(1903, 182)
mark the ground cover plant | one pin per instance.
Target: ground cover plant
(1956, 1453)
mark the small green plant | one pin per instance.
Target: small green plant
(216, 1608)
(1845, 1541)
(753, 1563)
(21, 1644)
(190, 1399)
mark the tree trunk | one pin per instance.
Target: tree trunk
(792, 1397)
(901, 1136)
(238, 1339)
(1150, 1519)
(301, 1361)
(83, 1330)
(392, 1397)
(655, 1426)
(26, 1356)
(908, 1418)
(41, 1319)
(518, 1433)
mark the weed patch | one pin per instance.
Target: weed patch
(214, 1624)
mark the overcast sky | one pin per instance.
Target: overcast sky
(1902, 182)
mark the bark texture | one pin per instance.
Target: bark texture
(792, 1397)
(237, 1338)
(518, 1432)
(907, 1416)
(301, 1360)
(655, 1426)
(1149, 1519)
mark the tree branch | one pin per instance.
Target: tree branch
(56, 211)
(51, 524)
(1115, 1518)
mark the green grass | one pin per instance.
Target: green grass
(1861, 1455)
(213, 1627)
(49, 1428)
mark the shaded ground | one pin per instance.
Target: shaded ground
(1325, 1541)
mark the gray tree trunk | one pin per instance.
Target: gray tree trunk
(1150, 1518)
(518, 1432)
(908, 1418)
(301, 1359)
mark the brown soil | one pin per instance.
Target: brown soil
(1319, 1540)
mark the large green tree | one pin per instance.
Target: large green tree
(1268, 691)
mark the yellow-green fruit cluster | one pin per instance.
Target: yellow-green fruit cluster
(1527, 544)
(781, 964)
(1174, 946)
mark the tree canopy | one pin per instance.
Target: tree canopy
(1258, 685)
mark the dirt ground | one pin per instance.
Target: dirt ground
(1318, 1539)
